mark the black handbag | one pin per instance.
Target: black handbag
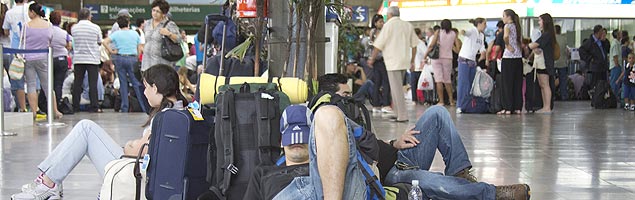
(170, 50)
(434, 53)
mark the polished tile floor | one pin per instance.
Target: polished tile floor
(575, 153)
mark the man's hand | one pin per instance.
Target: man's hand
(412, 66)
(407, 140)
(370, 62)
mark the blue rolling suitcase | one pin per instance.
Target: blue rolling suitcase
(178, 156)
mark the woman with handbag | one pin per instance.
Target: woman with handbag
(38, 35)
(155, 30)
(440, 53)
(544, 47)
(88, 139)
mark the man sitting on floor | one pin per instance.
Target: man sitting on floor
(414, 150)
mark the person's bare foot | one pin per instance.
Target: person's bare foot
(59, 115)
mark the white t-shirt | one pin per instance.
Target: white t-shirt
(472, 44)
(421, 50)
(14, 20)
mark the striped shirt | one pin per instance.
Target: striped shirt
(87, 38)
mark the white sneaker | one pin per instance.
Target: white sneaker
(376, 110)
(38, 191)
(632, 108)
(458, 111)
(385, 110)
(627, 106)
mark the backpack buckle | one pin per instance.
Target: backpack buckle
(232, 168)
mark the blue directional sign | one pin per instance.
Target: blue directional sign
(360, 13)
(94, 10)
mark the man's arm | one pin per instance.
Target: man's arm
(331, 140)
(373, 55)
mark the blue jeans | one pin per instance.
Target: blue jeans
(123, 66)
(100, 88)
(15, 84)
(563, 77)
(310, 187)
(85, 139)
(437, 131)
(614, 75)
(365, 91)
(467, 70)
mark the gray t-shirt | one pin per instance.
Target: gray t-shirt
(86, 41)
(152, 48)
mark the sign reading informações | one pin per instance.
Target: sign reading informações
(179, 12)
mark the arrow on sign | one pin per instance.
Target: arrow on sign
(360, 11)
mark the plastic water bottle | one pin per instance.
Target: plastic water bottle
(415, 193)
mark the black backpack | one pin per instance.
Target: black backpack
(366, 142)
(603, 96)
(247, 134)
(352, 108)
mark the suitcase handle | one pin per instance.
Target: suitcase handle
(215, 17)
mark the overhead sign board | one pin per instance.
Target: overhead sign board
(194, 2)
(179, 12)
(360, 13)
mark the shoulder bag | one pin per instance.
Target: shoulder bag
(170, 50)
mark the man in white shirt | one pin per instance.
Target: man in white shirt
(14, 20)
(398, 44)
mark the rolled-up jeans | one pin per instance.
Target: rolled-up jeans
(437, 131)
(310, 187)
(85, 139)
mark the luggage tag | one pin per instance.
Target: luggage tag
(196, 114)
(145, 162)
(194, 111)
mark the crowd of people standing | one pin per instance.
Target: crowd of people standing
(510, 59)
(85, 49)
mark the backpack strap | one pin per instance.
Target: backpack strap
(137, 173)
(371, 180)
(228, 115)
(263, 128)
(366, 114)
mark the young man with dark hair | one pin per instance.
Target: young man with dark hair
(402, 160)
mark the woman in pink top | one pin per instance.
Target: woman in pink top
(445, 38)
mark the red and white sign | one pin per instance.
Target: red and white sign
(248, 8)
